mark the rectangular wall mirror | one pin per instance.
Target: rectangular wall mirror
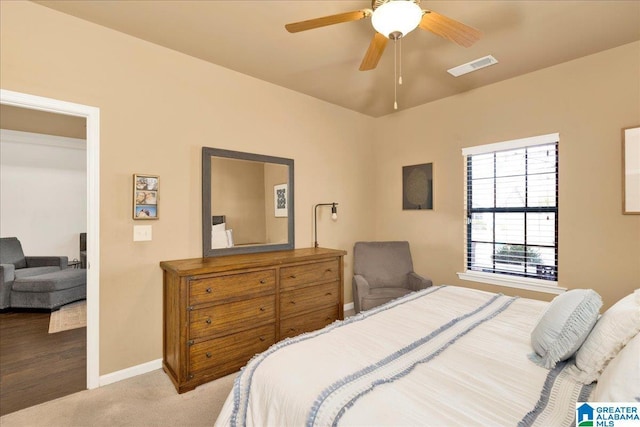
(247, 202)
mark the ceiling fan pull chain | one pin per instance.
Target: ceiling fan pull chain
(400, 62)
(395, 75)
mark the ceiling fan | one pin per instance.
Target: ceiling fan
(394, 19)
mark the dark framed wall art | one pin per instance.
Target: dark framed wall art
(417, 187)
(145, 196)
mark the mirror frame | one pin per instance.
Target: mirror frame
(207, 251)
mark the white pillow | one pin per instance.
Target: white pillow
(614, 329)
(218, 227)
(564, 326)
(620, 380)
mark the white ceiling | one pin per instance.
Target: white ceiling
(249, 37)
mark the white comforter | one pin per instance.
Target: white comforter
(445, 356)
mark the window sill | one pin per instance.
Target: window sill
(537, 285)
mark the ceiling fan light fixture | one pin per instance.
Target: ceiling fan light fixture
(396, 16)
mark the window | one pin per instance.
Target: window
(512, 209)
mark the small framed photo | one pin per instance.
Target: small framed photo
(145, 196)
(280, 198)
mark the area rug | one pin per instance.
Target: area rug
(70, 316)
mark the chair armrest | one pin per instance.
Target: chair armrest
(7, 276)
(43, 261)
(7, 273)
(417, 282)
(360, 288)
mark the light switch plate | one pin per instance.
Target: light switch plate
(141, 233)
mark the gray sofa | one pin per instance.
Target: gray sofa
(51, 290)
(383, 271)
(36, 281)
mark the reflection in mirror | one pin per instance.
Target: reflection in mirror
(247, 202)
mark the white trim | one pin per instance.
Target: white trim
(131, 372)
(511, 145)
(18, 137)
(546, 286)
(92, 116)
(349, 306)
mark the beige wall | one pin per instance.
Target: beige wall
(159, 107)
(24, 120)
(588, 101)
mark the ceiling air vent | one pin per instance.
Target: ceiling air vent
(472, 66)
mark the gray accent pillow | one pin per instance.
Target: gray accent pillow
(564, 326)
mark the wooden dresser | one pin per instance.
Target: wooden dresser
(220, 311)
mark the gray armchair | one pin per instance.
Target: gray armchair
(383, 271)
(14, 265)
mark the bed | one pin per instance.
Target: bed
(444, 356)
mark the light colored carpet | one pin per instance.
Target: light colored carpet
(145, 400)
(70, 316)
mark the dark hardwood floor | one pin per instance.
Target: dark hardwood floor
(36, 366)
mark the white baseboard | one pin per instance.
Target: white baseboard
(348, 307)
(130, 372)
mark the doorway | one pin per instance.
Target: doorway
(92, 117)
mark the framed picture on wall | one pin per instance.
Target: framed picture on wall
(280, 197)
(145, 196)
(417, 187)
(631, 171)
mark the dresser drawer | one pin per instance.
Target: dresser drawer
(309, 273)
(232, 317)
(240, 285)
(309, 322)
(231, 352)
(306, 299)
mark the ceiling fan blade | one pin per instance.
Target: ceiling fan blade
(327, 20)
(450, 29)
(374, 52)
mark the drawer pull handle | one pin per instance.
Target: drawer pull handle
(329, 270)
(208, 321)
(262, 309)
(292, 329)
(262, 281)
(293, 276)
(208, 290)
(328, 294)
(328, 319)
(208, 354)
(292, 302)
(262, 338)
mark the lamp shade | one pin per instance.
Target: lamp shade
(401, 16)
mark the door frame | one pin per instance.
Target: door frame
(92, 116)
